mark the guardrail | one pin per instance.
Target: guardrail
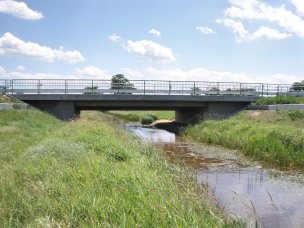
(145, 87)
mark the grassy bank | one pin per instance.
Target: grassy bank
(279, 100)
(88, 173)
(276, 137)
(138, 115)
(5, 99)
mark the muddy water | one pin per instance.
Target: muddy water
(269, 198)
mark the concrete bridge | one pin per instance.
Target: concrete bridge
(190, 100)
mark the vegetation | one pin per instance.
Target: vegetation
(274, 137)
(195, 90)
(148, 119)
(5, 99)
(91, 90)
(88, 173)
(136, 116)
(120, 83)
(279, 100)
(298, 86)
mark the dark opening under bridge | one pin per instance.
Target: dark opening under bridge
(191, 100)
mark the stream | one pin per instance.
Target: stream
(259, 196)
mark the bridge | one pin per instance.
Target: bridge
(191, 100)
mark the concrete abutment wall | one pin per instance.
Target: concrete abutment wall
(213, 110)
(64, 110)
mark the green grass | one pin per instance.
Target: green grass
(279, 100)
(138, 115)
(88, 173)
(5, 99)
(274, 137)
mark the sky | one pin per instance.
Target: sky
(222, 40)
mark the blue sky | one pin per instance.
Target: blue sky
(223, 40)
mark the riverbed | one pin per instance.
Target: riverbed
(244, 188)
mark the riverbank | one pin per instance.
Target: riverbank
(275, 137)
(87, 172)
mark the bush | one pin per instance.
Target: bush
(279, 100)
(148, 119)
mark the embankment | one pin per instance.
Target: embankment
(88, 173)
(275, 137)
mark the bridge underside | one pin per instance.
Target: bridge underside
(188, 109)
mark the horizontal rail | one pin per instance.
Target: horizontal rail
(145, 87)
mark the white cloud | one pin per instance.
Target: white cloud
(243, 35)
(299, 4)
(13, 46)
(236, 26)
(128, 72)
(114, 38)
(20, 68)
(19, 9)
(205, 30)
(151, 73)
(269, 33)
(71, 57)
(257, 10)
(92, 71)
(150, 50)
(155, 32)
(2, 71)
(202, 74)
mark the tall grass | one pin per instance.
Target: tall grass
(138, 115)
(271, 141)
(88, 173)
(279, 100)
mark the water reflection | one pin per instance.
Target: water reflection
(152, 135)
(250, 192)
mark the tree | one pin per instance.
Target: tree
(120, 83)
(195, 90)
(297, 86)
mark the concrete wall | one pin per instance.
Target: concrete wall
(64, 110)
(213, 110)
(13, 106)
(220, 110)
(190, 116)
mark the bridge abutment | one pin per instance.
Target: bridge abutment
(213, 110)
(64, 110)
(221, 110)
(190, 116)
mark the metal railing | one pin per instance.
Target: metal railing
(144, 87)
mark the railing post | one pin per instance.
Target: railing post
(144, 87)
(65, 86)
(92, 85)
(240, 88)
(169, 87)
(12, 86)
(194, 88)
(262, 89)
(38, 86)
(267, 91)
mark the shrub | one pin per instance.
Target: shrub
(148, 119)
